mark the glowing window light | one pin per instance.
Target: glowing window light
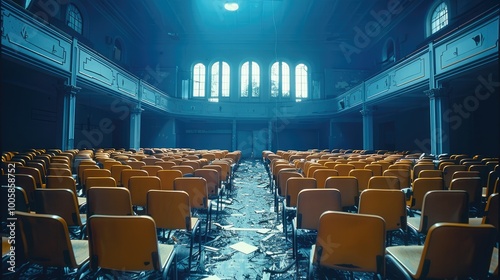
(231, 6)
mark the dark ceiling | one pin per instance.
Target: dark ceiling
(284, 20)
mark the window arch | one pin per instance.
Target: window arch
(250, 79)
(301, 82)
(74, 18)
(439, 17)
(220, 78)
(199, 80)
(280, 79)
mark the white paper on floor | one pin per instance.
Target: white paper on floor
(244, 247)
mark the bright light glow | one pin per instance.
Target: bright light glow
(231, 6)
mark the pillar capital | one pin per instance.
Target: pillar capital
(437, 92)
(367, 112)
(136, 109)
(71, 89)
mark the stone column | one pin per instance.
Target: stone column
(135, 127)
(439, 129)
(367, 128)
(68, 122)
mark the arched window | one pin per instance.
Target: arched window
(280, 79)
(199, 80)
(219, 83)
(250, 79)
(301, 82)
(74, 18)
(439, 18)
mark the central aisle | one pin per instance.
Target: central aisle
(248, 220)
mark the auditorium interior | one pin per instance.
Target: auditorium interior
(250, 139)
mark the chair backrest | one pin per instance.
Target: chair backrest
(463, 174)
(322, 174)
(383, 182)
(448, 171)
(195, 164)
(167, 178)
(93, 182)
(444, 206)
(61, 182)
(59, 171)
(46, 240)
(283, 177)
(35, 173)
(25, 181)
(492, 177)
(430, 174)
(60, 202)
(388, 204)
(128, 173)
(135, 164)
(212, 177)
(152, 169)
(197, 189)
(472, 185)
(348, 187)
(126, 243)
(311, 203)
(363, 177)
(139, 187)
(456, 251)
(422, 166)
(93, 172)
(185, 169)
(358, 164)
(402, 174)
(170, 209)
(108, 163)
(166, 165)
(375, 168)
(41, 168)
(294, 185)
(344, 168)
(491, 212)
(116, 173)
(20, 201)
(82, 167)
(151, 160)
(109, 201)
(420, 187)
(350, 241)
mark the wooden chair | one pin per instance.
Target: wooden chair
(166, 165)
(431, 173)
(109, 201)
(139, 187)
(167, 178)
(35, 173)
(311, 203)
(403, 176)
(127, 244)
(321, 175)
(349, 241)
(388, 204)
(65, 182)
(93, 182)
(450, 251)
(349, 192)
(171, 210)
(213, 184)
(472, 185)
(383, 182)
(197, 189)
(439, 206)
(116, 173)
(344, 168)
(375, 168)
(363, 177)
(47, 243)
(185, 169)
(293, 187)
(151, 169)
(128, 173)
(63, 203)
(420, 187)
